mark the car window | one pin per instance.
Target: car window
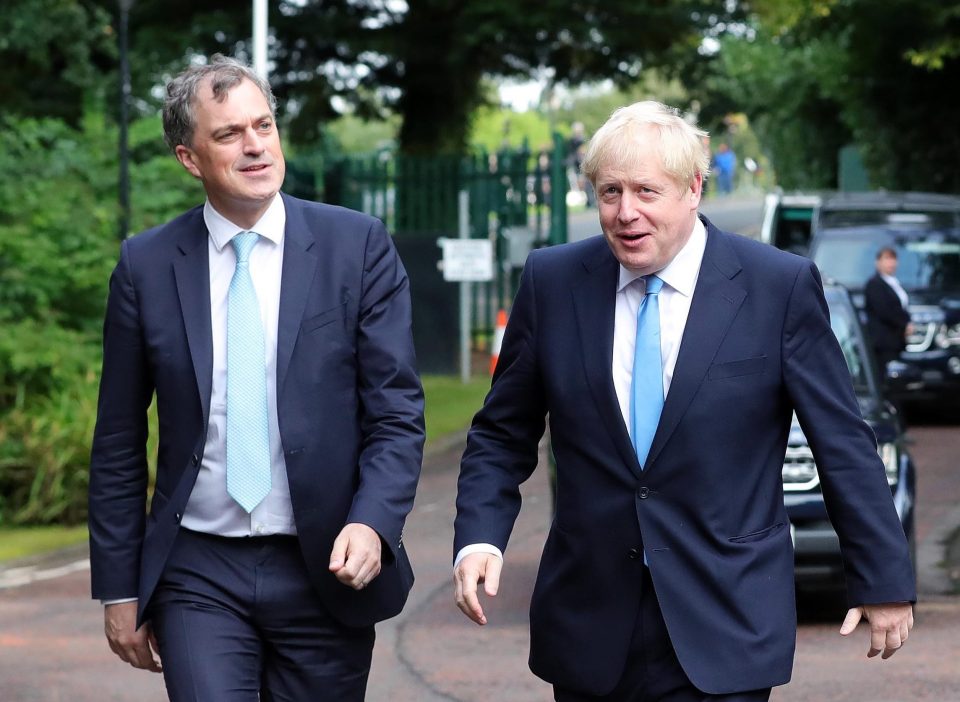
(928, 260)
(793, 228)
(845, 326)
(830, 219)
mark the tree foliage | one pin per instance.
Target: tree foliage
(814, 75)
(424, 59)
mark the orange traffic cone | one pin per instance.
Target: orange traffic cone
(498, 331)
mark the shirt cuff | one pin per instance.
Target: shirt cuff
(477, 548)
(119, 601)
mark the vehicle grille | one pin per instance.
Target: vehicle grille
(799, 470)
(922, 337)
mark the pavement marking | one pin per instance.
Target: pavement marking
(18, 577)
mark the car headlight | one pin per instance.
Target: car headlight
(891, 465)
(948, 336)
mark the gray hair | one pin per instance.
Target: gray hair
(179, 116)
(617, 143)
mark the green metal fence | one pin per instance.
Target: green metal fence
(517, 199)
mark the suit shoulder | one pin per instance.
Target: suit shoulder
(164, 236)
(763, 256)
(565, 256)
(326, 216)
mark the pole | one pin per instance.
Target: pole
(260, 37)
(123, 184)
(465, 321)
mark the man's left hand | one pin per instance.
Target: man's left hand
(355, 559)
(890, 625)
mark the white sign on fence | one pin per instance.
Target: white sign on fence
(467, 260)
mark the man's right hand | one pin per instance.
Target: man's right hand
(138, 647)
(472, 570)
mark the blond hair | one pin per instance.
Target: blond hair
(618, 143)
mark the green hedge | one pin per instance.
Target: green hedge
(58, 244)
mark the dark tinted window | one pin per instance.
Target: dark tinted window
(830, 219)
(926, 260)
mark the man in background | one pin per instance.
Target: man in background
(885, 301)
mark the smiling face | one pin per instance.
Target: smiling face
(646, 216)
(235, 151)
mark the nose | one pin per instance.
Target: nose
(252, 142)
(629, 207)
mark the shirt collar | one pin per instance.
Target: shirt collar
(681, 273)
(269, 226)
(891, 280)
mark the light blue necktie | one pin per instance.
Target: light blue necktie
(248, 438)
(646, 392)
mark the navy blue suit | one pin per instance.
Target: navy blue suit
(708, 509)
(349, 401)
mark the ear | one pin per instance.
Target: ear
(186, 158)
(695, 192)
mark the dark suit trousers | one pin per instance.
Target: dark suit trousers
(653, 673)
(237, 620)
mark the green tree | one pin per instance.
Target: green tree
(426, 61)
(51, 52)
(814, 75)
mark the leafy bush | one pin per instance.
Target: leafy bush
(58, 244)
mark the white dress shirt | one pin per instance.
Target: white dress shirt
(680, 280)
(210, 508)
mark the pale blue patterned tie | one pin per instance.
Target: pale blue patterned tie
(646, 393)
(248, 439)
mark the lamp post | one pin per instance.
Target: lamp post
(260, 37)
(124, 178)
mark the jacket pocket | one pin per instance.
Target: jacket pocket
(323, 319)
(733, 369)
(757, 535)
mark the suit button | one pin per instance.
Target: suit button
(176, 517)
(195, 459)
(643, 493)
(635, 554)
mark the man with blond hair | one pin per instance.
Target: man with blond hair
(670, 357)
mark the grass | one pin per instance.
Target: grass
(450, 405)
(17, 542)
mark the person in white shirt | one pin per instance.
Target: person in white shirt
(669, 357)
(886, 304)
(275, 336)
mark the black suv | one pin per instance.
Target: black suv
(816, 548)
(924, 229)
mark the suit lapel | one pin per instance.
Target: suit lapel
(594, 300)
(299, 268)
(716, 300)
(192, 273)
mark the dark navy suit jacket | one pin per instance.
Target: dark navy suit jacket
(886, 319)
(349, 400)
(708, 507)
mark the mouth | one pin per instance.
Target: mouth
(255, 168)
(631, 237)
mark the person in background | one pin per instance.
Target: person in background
(670, 357)
(886, 304)
(724, 167)
(274, 334)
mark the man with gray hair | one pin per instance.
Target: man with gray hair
(274, 334)
(670, 357)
